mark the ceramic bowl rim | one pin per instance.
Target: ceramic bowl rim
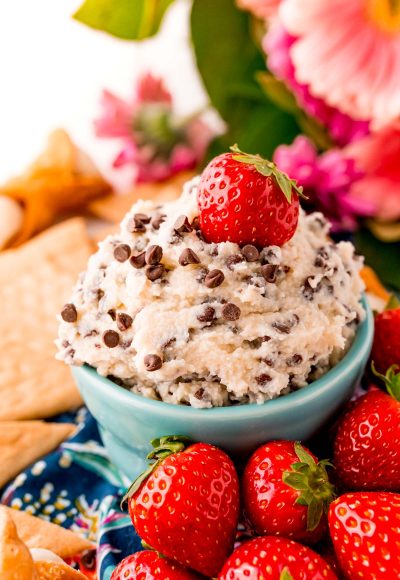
(352, 359)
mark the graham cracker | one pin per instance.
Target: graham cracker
(23, 442)
(35, 281)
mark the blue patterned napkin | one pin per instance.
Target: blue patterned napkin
(77, 487)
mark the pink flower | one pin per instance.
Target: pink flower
(378, 157)
(263, 9)
(348, 53)
(342, 128)
(326, 180)
(154, 141)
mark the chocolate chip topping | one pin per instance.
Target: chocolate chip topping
(111, 313)
(122, 252)
(294, 360)
(231, 261)
(138, 261)
(152, 362)
(214, 278)
(199, 393)
(153, 255)
(182, 225)
(188, 257)
(124, 321)
(154, 272)
(136, 225)
(111, 338)
(250, 253)
(144, 218)
(207, 315)
(286, 326)
(196, 223)
(69, 313)
(264, 378)
(157, 220)
(269, 272)
(231, 311)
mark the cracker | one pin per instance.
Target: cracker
(15, 559)
(23, 442)
(35, 282)
(62, 179)
(38, 533)
(56, 571)
(113, 207)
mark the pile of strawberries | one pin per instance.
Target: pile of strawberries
(187, 506)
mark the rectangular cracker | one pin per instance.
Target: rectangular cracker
(35, 281)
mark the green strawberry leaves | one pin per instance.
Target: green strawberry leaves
(163, 447)
(391, 380)
(268, 169)
(285, 575)
(312, 481)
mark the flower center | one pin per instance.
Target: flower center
(385, 14)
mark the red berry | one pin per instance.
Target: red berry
(275, 558)
(286, 493)
(365, 530)
(188, 507)
(386, 345)
(247, 200)
(367, 442)
(148, 565)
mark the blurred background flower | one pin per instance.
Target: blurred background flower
(154, 141)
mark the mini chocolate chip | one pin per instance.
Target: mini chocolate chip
(152, 362)
(271, 255)
(188, 257)
(270, 272)
(124, 321)
(111, 313)
(308, 290)
(196, 223)
(294, 360)
(135, 225)
(207, 315)
(182, 225)
(268, 361)
(138, 261)
(323, 253)
(144, 218)
(66, 343)
(154, 272)
(99, 294)
(168, 343)
(153, 255)
(69, 313)
(231, 312)
(199, 393)
(122, 252)
(91, 333)
(250, 252)
(285, 327)
(157, 220)
(286, 269)
(214, 278)
(319, 262)
(231, 261)
(111, 338)
(264, 378)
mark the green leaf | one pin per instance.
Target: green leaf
(303, 455)
(127, 19)
(314, 514)
(277, 92)
(383, 258)
(393, 303)
(228, 61)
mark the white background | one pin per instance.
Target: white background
(52, 71)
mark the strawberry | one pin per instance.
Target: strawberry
(286, 492)
(365, 530)
(386, 345)
(245, 199)
(276, 559)
(148, 565)
(186, 505)
(367, 442)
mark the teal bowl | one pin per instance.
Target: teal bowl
(128, 422)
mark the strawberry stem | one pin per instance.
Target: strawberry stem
(268, 169)
(392, 303)
(312, 481)
(391, 380)
(163, 447)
